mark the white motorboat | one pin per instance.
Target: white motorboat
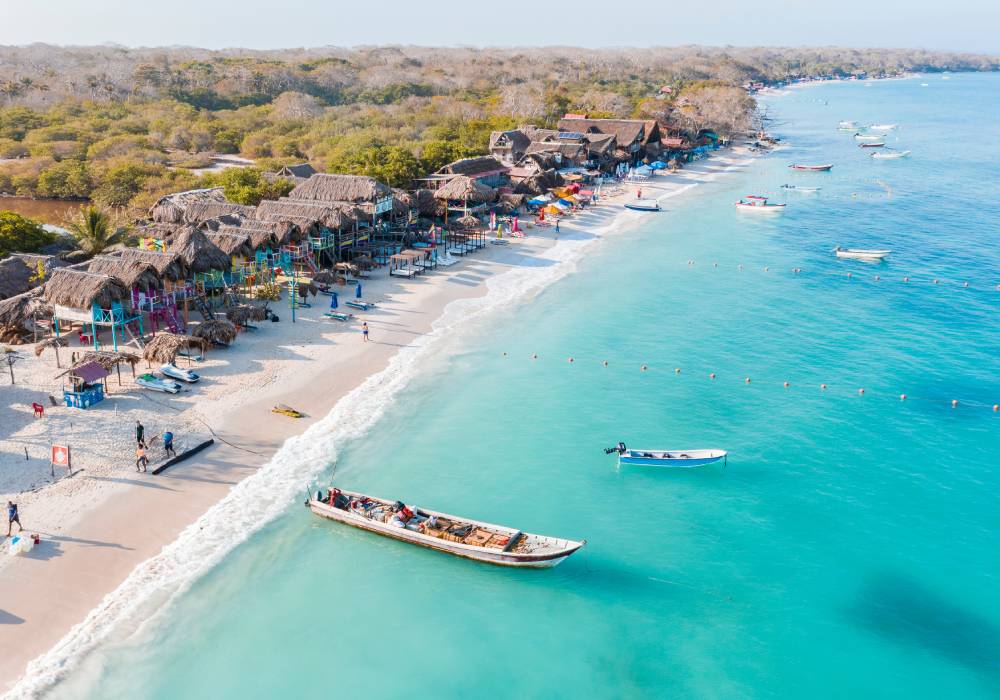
(861, 253)
(174, 372)
(461, 537)
(643, 205)
(868, 137)
(848, 126)
(676, 459)
(757, 203)
(800, 188)
(151, 381)
(890, 155)
(883, 127)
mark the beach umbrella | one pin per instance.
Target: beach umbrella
(357, 291)
(333, 300)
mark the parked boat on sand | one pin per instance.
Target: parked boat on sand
(486, 542)
(676, 459)
(643, 205)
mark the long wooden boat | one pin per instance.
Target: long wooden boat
(800, 188)
(890, 155)
(486, 542)
(643, 205)
(676, 459)
(815, 168)
(860, 253)
(882, 127)
(868, 137)
(871, 144)
(757, 203)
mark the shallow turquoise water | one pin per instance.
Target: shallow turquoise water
(849, 547)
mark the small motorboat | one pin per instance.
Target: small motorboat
(461, 537)
(643, 205)
(861, 253)
(890, 155)
(151, 381)
(800, 188)
(848, 126)
(676, 459)
(868, 137)
(883, 127)
(871, 144)
(812, 168)
(287, 411)
(755, 202)
(175, 372)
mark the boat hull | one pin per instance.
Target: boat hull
(489, 556)
(812, 168)
(698, 458)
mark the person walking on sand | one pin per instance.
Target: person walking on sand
(638, 193)
(13, 517)
(140, 434)
(140, 457)
(557, 225)
(168, 444)
(364, 330)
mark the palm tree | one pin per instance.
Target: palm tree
(95, 229)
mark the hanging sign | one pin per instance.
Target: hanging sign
(383, 205)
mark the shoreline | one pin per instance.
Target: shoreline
(196, 513)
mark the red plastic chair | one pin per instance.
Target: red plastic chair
(85, 339)
(39, 409)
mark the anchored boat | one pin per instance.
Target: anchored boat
(815, 168)
(643, 205)
(755, 202)
(868, 137)
(871, 144)
(861, 253)
(677, 459)
(890, 155)
(882, 127)
(486, 542)
(800, 188)
(847, 126)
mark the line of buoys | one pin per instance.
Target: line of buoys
(747, 380)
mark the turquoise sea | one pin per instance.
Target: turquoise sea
(849, 548)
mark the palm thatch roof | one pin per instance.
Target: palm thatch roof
(160, 230)
(218, 331)
(165, 347)
(19, 272)
(424, 202)
(476, 166)
(332, 215)
(468, 221)
(17, 310)
(109, 360)
(172, 207)
(53, 342)
(325, 187)
(245, 313)
(210, 209)
(325, 277)
(169, 266)
(465, 189)
(197, 251)
(231, 243)
(78, 289)
(135, 273)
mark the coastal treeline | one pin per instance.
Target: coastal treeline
(123, 126)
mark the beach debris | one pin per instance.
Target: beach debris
(286, 410)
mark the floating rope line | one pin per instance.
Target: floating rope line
(824, 388)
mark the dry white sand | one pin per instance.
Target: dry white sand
(99, 524)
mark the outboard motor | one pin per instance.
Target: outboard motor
(619, 448)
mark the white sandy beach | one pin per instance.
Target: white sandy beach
(107, 527)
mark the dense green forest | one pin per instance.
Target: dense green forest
(122, 126)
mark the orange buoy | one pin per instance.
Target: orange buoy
(861, 392)
(902, 397)
(954, 403)
(996, 407)
(712, 375)
(850, 275)
(998, 287)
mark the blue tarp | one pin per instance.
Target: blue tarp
(657, 165)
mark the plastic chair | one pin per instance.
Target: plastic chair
(85, 339)
(39, 409)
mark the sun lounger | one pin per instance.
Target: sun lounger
(337, 316)
(363, 305)
(403, 272)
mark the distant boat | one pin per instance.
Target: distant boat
(493, 544)
(643, 205)
(800, 188)
(890, 155)
(676, 459)
(883, 127)
(813, 168)
(755, 202)
(867, 137)
(924, 84)
(871, 144)
(860, 253)
(848, 126)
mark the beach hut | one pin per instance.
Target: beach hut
(86, 384)
(171, 208)
(21, 313)
(133, 272)
(93, 299)
(235, 245)
(199, 254)
(221, 212)
(164, 348)
(21, 272)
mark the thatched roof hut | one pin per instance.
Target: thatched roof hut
(205, 210)
(468, 221)
(17, 310)
(218, 331)
(135, 273)
(465, 189)
(243, 314)
(169, 266)
(165, 347)
(198, 253)
(477, 166)
(324, 187)
(231, 243)
(424, 202)
(19, 272)
(332, 215)
(159, 230)
(172, 207)
(78, 289)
